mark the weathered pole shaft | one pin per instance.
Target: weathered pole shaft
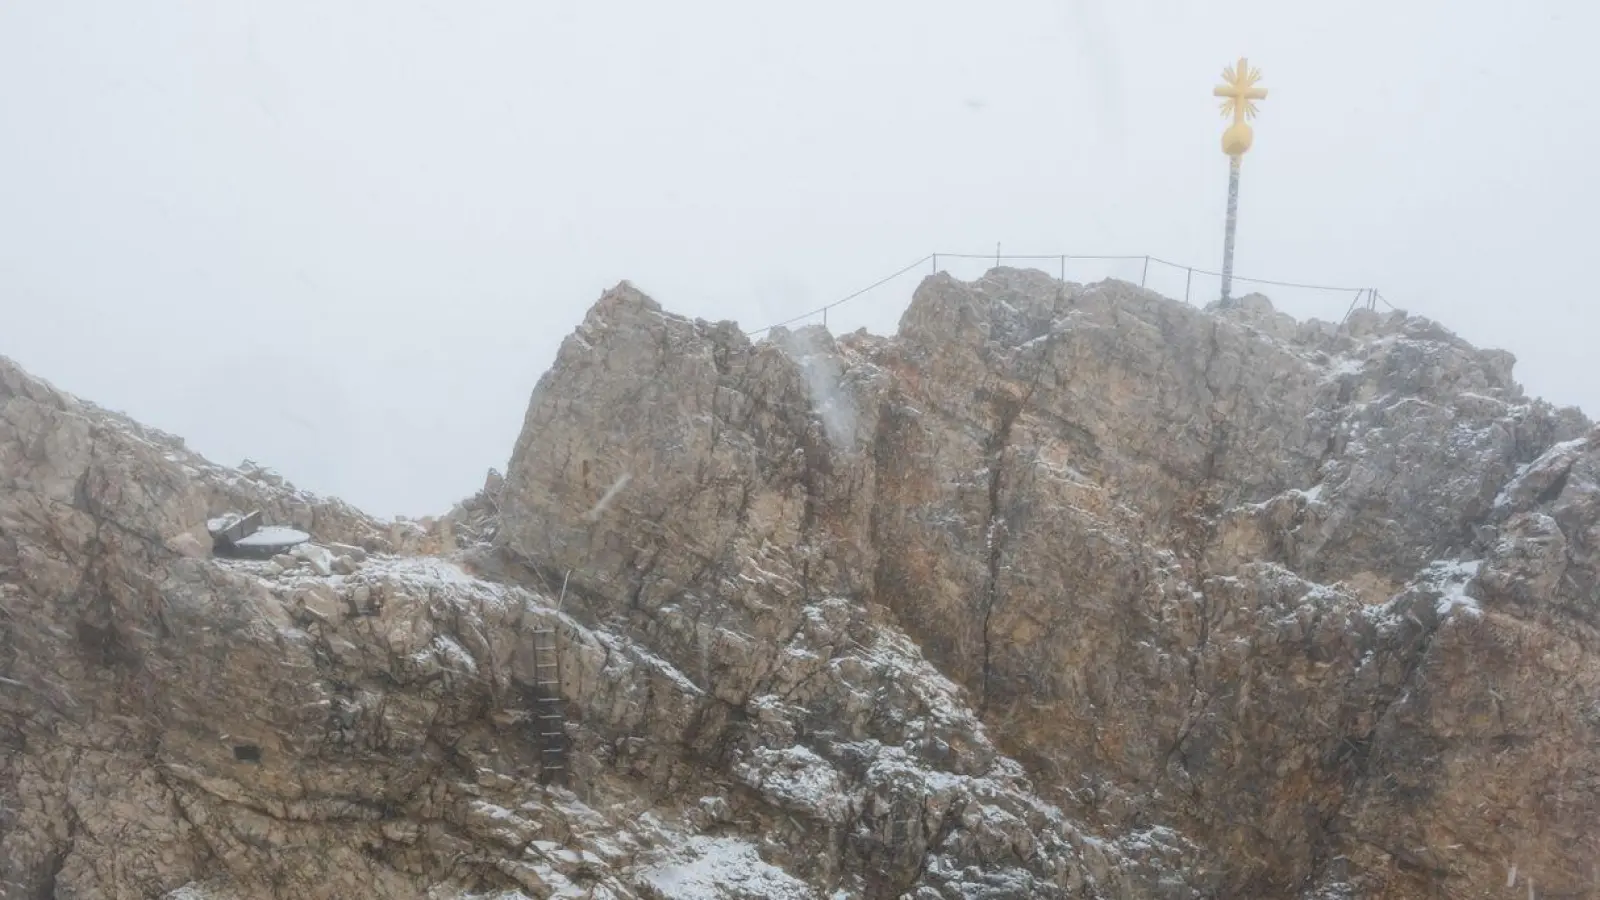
(1232, 226)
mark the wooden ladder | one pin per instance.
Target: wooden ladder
(548, 717)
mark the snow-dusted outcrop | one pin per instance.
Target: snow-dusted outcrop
(182, 726)
(1192, 567)
(1063, 591)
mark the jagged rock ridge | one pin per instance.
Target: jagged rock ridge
(1062, 591)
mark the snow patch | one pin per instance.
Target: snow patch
(722, 868)
(1450, 579)
(1345, 365)
(1561, 454)
(192, 891)
(449, 649)
(797, 777)
(272, 535)
(649, 660)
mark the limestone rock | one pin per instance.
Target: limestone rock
(356, 554)
(1062, 591)
(1190, 565)
(319, 558)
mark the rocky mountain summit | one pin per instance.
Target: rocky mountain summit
(1062, 591)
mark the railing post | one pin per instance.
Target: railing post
(1063, 268)
(935, 265)
(1187, 280)
(1146, 273)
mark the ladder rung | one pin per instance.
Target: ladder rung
(552, 717)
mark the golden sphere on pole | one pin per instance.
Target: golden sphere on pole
(1236, 140)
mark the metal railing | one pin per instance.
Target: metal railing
(1370, 297)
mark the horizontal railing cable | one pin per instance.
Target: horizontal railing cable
(1287, 284)
(1372, 296)
(822, 310)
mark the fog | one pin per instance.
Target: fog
(345, 239)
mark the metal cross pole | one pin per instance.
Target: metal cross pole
(1238, 93)
(1231, 227)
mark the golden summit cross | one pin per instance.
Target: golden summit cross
(1239, 95)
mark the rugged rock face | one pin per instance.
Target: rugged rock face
(1264, 583)
(1062, 591)
(181, 726)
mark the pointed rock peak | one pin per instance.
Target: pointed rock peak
(628, 321)
(16, 382)
(944, 309)
(620, 304)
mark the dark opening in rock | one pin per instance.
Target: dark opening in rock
(247, 753)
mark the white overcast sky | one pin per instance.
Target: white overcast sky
(345, 238)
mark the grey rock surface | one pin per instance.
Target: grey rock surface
(1062, 591)
(1191, 567)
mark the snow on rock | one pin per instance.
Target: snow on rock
(319, 558)
(1534, 479)
(273, 536)
(1450, 579)
(708, 868)
(797, 778)
(193, 891)
(649, 661)
(1296, 683)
